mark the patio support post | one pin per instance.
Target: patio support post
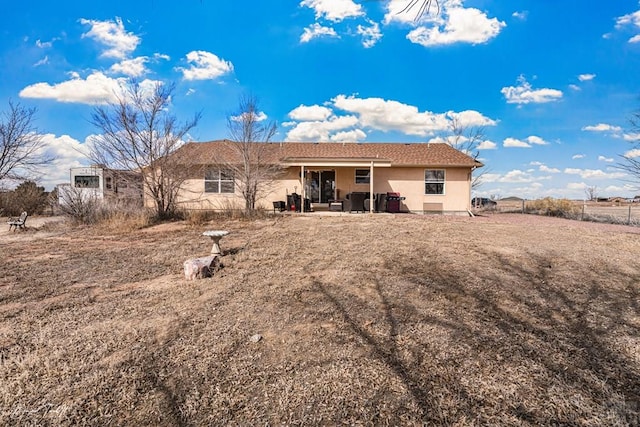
(304, 191)
(371, 201)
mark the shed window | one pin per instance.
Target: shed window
(363, 176)
(434, 181)
(86, 181)
(218, 181)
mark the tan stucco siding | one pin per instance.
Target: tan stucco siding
(409, 182)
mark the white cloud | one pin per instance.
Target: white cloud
(310, 113)
(513, 176)
(515, 143)
(205, 66)
(370, 35)
(525, 94)
(576, 186)
(605, 159)
(318, 122)
(632, 20)
(456, 25)
(632, 154)
(631, 137)
(594, 173)
(46, 45)
(520, 15)
(602, 127)
(131, 67)
(43, 61)
(547, 169)
(574, 87)
(349, 136)
(320, 130)
(487, 145)
(388, 115)
(469, 118)
(578, 156)
(317, 30)
(334, 10)
(68, 152)
(95, 89)
(113, 35)
(258, 117)
(586, 77)
(536, 140)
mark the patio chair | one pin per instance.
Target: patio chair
(280, 206)
(356, 201)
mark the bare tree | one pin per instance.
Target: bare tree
(138, 133)
(591, 193)
(630, 162)
(255, 169)
(21, 146)
(467, 139)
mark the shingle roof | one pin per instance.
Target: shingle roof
(399, 154)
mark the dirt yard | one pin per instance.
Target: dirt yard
(364, 320)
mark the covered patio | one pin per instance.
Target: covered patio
(328, 183)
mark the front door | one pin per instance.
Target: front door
(321, 186)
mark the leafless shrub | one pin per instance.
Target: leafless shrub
(549, 206)
(78, 204)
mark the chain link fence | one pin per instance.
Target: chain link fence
(623, 213)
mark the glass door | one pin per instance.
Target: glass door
(321, 186)
(327, 186)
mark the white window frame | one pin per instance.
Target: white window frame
(363, 179)
(219, 181)
(435, 180)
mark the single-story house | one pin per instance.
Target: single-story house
(430, 177)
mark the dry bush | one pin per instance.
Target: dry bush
(124, 217)
(198, 217)
(78, 205)
(26, 197)
(549, 206)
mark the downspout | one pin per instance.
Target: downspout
(371, 200)
(304, 191)
(470, 192)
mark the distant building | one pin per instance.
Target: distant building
(101, 183)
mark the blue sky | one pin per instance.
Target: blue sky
(553, 83)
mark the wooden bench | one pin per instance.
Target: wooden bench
(18, 222)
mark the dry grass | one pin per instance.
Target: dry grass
(366, 320)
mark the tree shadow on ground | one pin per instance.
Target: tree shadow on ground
(557, 348)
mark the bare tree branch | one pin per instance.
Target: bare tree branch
(139, 134)
(467, 139)
(21, 146)
(253, 169)
(423, 7)
(630, 162)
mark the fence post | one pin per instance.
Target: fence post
(629, 217)
(582, 217)
(522, 205)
